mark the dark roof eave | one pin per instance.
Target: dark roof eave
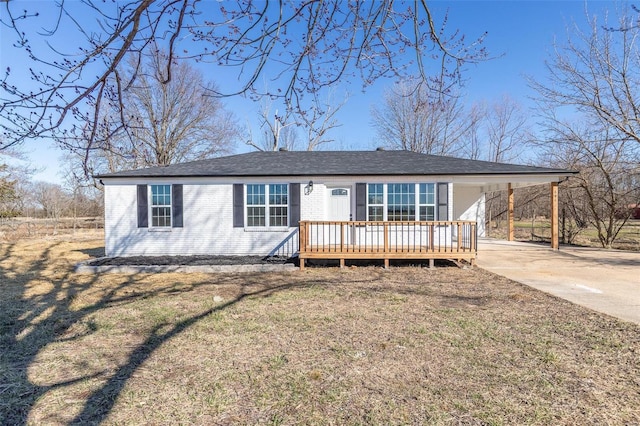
(514, 173)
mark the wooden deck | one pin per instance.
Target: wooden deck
(456, 240)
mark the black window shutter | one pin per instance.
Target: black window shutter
(176, 193)
(143, 207)
(294, 204)
(238, 205)
(443, 201)
(361, 201)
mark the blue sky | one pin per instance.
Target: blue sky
(520, 36)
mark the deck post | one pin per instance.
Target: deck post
(302, 237)
(554, 216)
(511, 233)
(303, 240)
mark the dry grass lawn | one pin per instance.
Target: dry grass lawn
(323, 346)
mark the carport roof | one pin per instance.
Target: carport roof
(335, 163)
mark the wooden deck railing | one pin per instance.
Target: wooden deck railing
(387, 240)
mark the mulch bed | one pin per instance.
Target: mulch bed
(201, 260)
(189, 260)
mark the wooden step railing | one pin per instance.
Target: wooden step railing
(387, 240)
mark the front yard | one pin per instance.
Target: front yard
(323, 346)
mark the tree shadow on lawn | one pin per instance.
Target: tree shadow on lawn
(37, 312)
(100, 402)
(39, 308)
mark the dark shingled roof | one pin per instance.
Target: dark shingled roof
(334, 163)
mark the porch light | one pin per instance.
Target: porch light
(309, 188)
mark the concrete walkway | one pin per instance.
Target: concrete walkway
(607, 281)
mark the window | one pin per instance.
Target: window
(256, 205)
(427, 206)
(375, 201)
(398, 201)
(278, 204)
(268, 204)
(161, 206)
(401, 201)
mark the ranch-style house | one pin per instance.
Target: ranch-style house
(323, 204)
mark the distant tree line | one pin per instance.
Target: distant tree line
(46, 200)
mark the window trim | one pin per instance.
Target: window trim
(411, 192)
(151, 206)
(260, 205)
(267, 207)
(277, 206)
(417, 203)
(383, 204)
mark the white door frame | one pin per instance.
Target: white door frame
(348, 186)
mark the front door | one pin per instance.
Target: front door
(340, 204)
(339, 210)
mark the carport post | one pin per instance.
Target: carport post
(554, 216)
(511, 234)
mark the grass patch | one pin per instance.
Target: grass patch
(323, 346)
(628, 238)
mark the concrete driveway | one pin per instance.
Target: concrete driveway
(607, 281)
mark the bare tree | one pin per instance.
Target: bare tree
(608, 182)
(506, 130)
(596, 77)
(474, 140)
(277, 130)
(167, 121)
(280, 130)
(52, 200)
(340, 39)
(597, 73)
(86, 197)
(420, 120)
(496, 131)
(319, 120)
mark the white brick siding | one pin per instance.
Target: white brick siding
(208, 217)
(208, 227)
